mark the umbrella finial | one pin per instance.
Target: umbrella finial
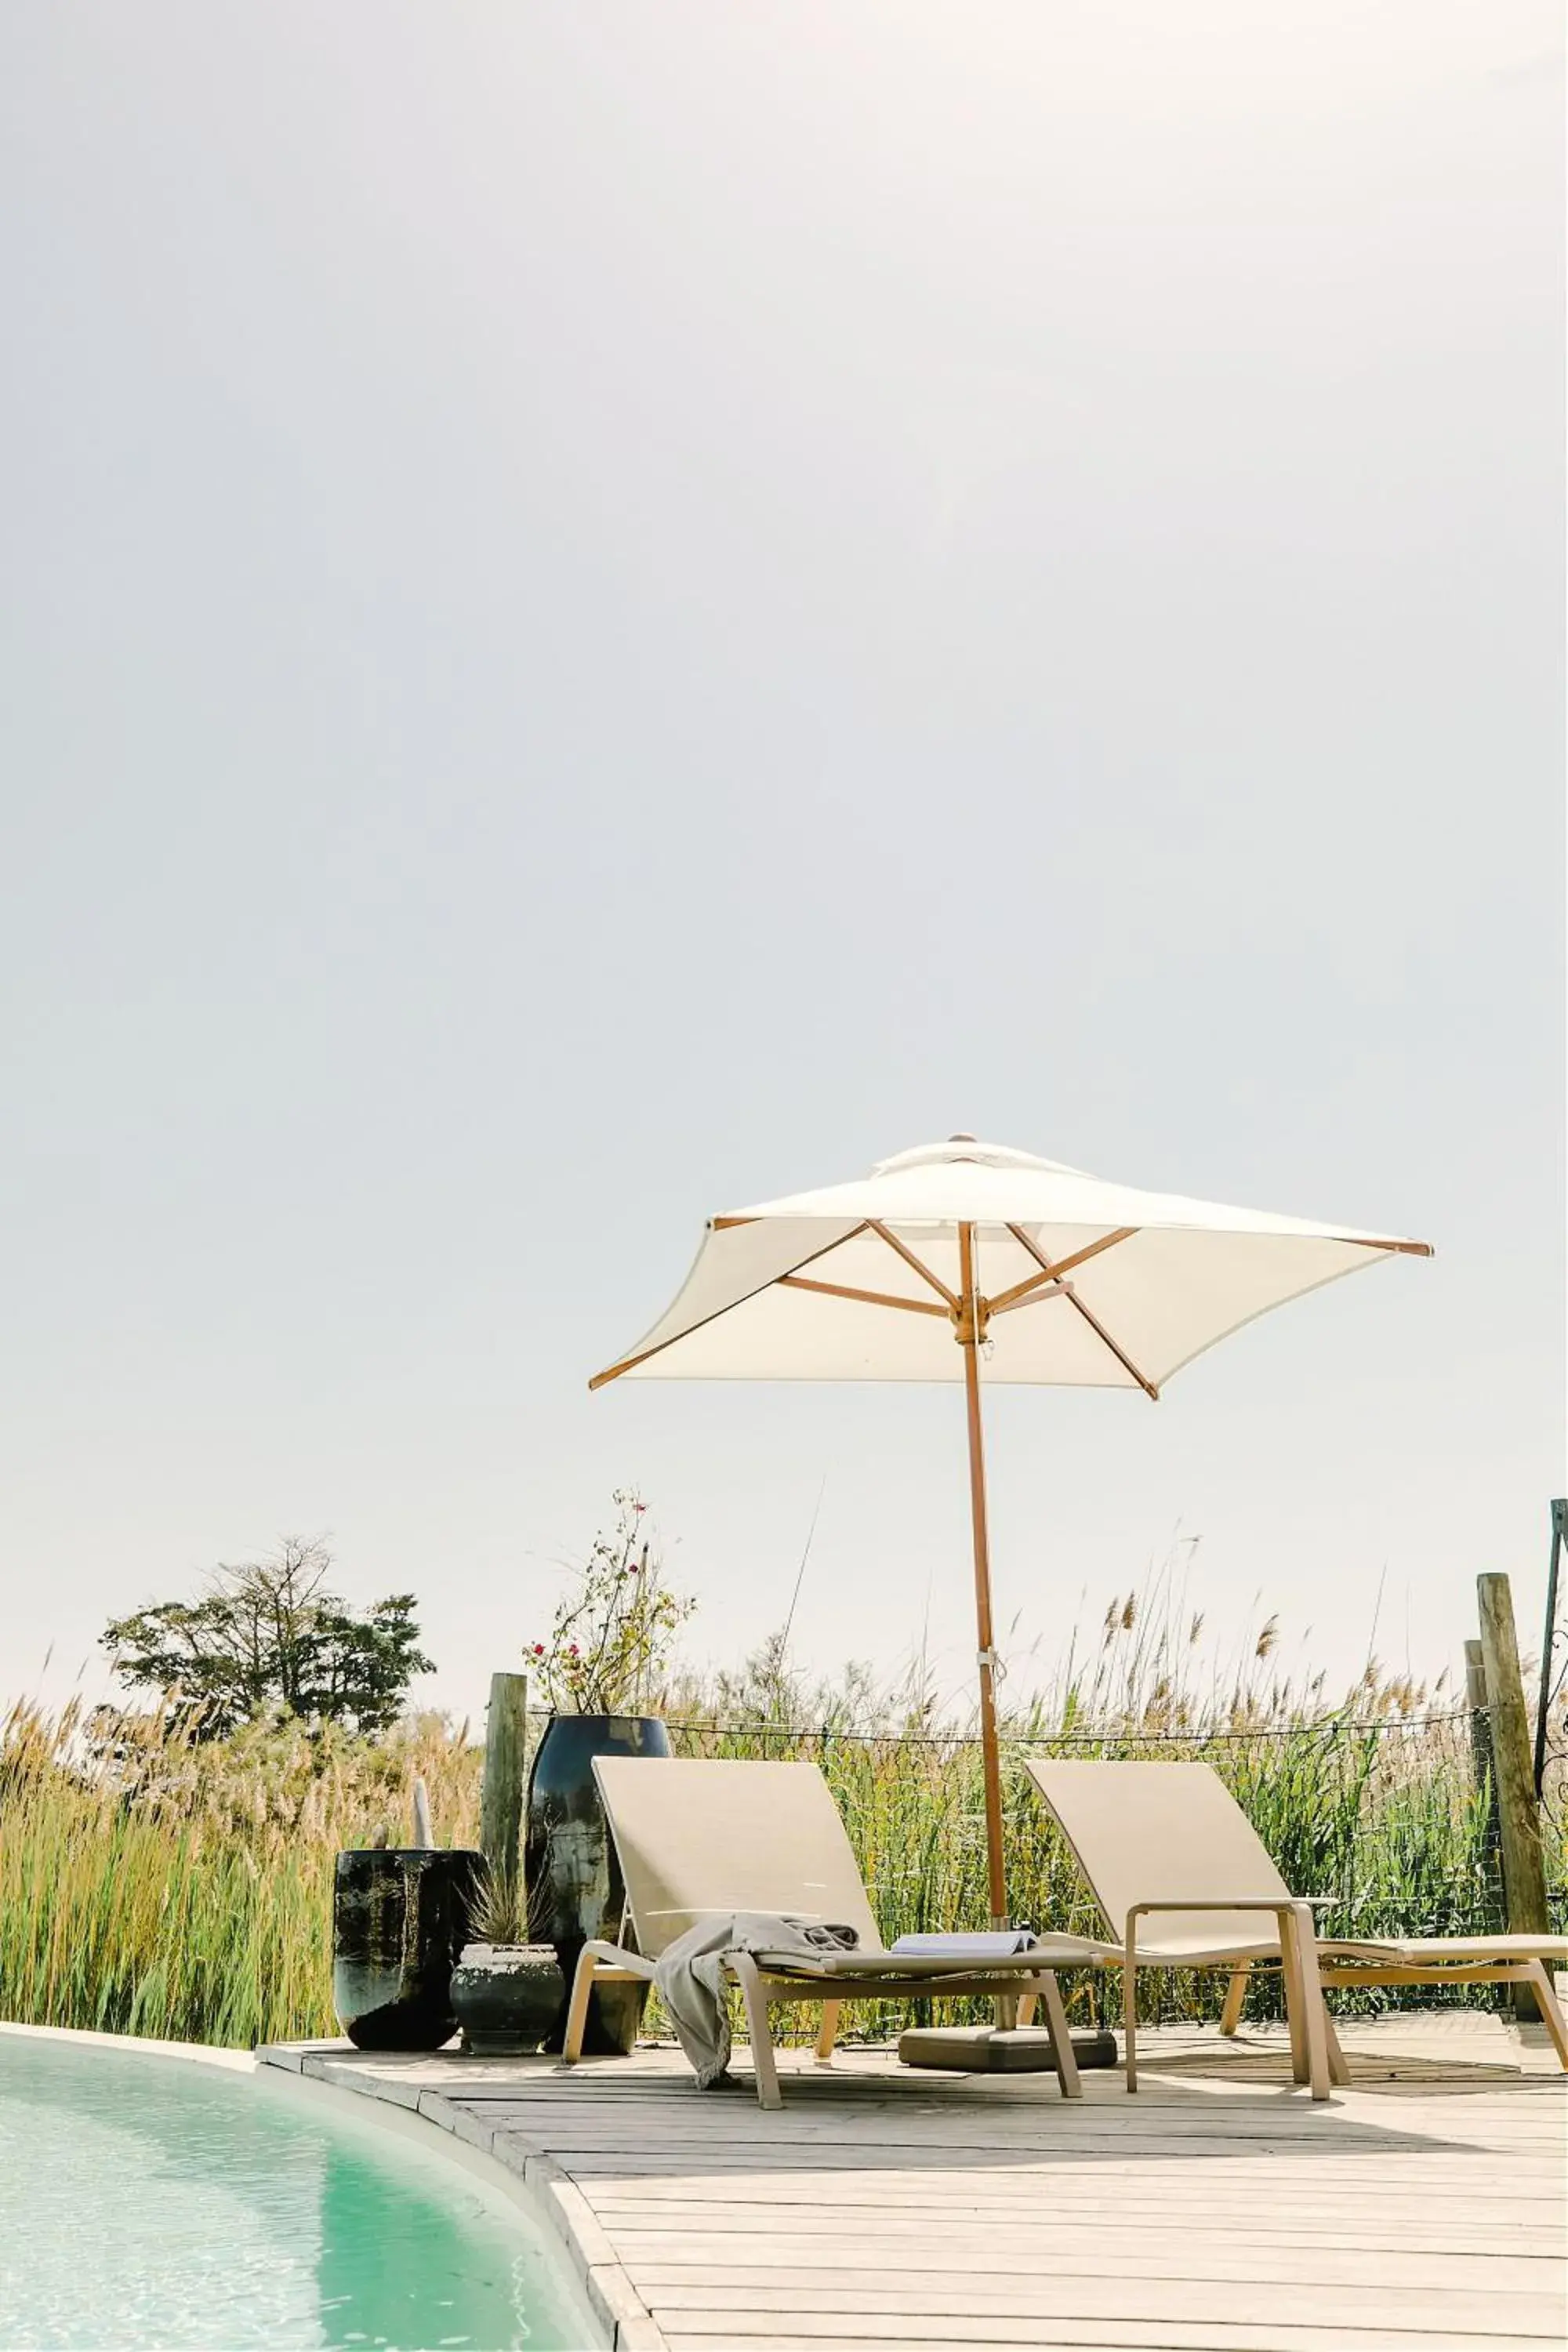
(963, 1136)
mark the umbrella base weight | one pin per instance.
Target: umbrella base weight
(986, 2050)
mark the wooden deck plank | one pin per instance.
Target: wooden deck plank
(803, 2202)
(808, 2330)
(1240, 2303)
(1351, 2224)
(923, 2183)
(1369, 2177)
(1089, 2337)
(1138, 2248)
(1085, 2224)
(1229, 2130)
(991, 2255)
(1226, 2131)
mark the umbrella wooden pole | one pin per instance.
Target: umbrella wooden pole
(969, 1338)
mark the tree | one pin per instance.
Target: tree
(268, 1634)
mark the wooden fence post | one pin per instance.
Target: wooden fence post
(501, 1799)
(1513, 1769)
(1549, 1642)
(1482, 1756)
(1475, 1700)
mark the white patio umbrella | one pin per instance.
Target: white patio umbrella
(1049, 1275)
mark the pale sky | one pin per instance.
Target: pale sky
(616, 610)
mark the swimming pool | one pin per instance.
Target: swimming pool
(148, 2200)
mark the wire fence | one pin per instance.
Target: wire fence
(1036, 1741)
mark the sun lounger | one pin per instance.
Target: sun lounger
(1168, 1843)
(700, 1838)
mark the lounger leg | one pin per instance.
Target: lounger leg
(577, 2009)
(1317, 2040)
(1293, 2013)
(1295, 2005)
(1539, 1978)
(1339, 2072)
(1235, 1994)
(1050, 1994)
(827, 2032)
(1304, 1994)
(1025, 2008)
(762, 2039)
(1130, 2012)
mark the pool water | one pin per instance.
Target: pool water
(148, 2200)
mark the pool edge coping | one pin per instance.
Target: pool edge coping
(137, 2045)
(630, 2326)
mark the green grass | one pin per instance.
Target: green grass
(185, 1890)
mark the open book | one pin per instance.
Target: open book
(993, 1944)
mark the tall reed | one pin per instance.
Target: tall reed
(164, 1885)
(183, 1889)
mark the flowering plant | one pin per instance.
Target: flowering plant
(613, 1637)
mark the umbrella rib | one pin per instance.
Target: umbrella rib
(1023, 1294)
(1095, 1325)
(630, 1363)
(950, 1299)
(865, 1297)
(1395, 1249)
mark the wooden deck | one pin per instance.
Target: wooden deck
(1219, 2211)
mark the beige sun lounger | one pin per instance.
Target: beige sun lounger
(1169, 1842)
(698, 1838)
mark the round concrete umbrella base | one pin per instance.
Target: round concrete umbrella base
(990, 2050)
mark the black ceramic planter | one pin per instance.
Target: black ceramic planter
(506, 1997)
(574, 1886)
(400, 1919)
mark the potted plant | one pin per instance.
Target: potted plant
(506, 1992)
(603, 1669)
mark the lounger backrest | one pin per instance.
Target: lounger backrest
(1155, 1833)
(696, 1836)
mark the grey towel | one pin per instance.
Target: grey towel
(689, 1975)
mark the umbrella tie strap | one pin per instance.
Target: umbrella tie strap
(992, 1659)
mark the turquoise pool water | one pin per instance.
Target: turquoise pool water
(152, 2200)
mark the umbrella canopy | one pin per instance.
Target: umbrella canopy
(1081, 1282)
(1042, 1274)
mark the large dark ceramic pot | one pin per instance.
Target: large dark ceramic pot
(400, 1919)
(575, 1891)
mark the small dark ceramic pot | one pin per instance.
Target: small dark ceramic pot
(575, 1891)
(506, 1997)
(400, 1919)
